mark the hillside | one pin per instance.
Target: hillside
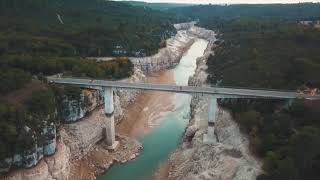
(47, 37)
(157, 6)
(81, 27)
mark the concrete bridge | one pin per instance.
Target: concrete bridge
(213, 92)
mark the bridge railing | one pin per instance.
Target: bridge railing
(212, 86)
(250, 88)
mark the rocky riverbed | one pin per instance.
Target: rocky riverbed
(226, 157)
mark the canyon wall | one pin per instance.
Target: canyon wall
(167, 57)
(80, 136)
(84, 120)
(184, 26)
(53, 167)
(177, 45)
(227, 156)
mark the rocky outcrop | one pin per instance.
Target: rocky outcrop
(83, 129)
(184, 26)
(202, 33)
(167, 57)
(176, 46)
(73, 109)
(228, 158)
(84, 134)
(53, 167)
(31, 157)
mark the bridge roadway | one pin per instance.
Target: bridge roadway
(219, 92)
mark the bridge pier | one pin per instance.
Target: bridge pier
(213, 109)
(108, 101)
(210, 137)
(109, 131)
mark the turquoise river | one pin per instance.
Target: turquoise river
(161, 140)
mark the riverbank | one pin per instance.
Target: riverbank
(226, 157)
(143, 114)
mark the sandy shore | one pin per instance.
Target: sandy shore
(99, 159)
(148, 108)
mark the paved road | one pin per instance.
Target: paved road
(218, 91)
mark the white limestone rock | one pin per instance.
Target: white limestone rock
(228, 159)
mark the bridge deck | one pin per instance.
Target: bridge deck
(219, 91)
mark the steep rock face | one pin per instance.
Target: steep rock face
(202, 33)
(31, 157)
(184, 26)
(226, 159)
(79, 134)
(176, 46)
(49, 168)
(84, 134)
(166, 57)
(73, 109)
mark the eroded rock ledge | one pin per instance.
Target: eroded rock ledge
(227, 159)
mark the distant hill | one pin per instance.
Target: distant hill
(158, 6)
(301, 11)
(81, 27)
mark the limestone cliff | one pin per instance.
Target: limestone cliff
(167, 57)
(184, 26)
(53, 167)
(85, 120)
(73, 109)
(31, 157)
(176, 46)
(228, 158)
(80, 136)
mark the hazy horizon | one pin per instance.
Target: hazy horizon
(226, 1)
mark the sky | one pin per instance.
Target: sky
(231, 1)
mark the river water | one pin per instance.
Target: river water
(163, 138)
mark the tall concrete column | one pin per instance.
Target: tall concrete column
(210, 137)
(109, 131)
(213, 110)
(108, 101)
(110, 134)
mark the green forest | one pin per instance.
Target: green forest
(158, 6)
(266, 46)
